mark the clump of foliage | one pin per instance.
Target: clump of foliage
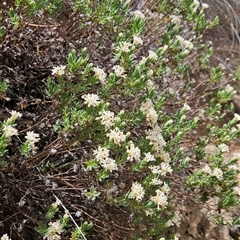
(109, 119)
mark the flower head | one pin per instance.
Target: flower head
(137, 191)
(107, 118)
(195, 4)
(176, 20)
(91, 99)
(160, 199)
(138, 14)
(32, 138)
(124, 47)
(109, 164)
(14, 116)
(116, 136)
(230, 89)
(142, 62)
(176, 218)
(236, 117)
(156, 181)
(155, 169)
(101, 153)
(54, 231)
(100, 75)
(155, 137)
(152, 55)
(59, 70)
(165, 188)
(184, 43)
(5, 237)
(151, 116)
(223, 147)
(137, 40)
(133, 152)
(207, 169)
(165, 168)
(148, 109)
(119, 71)
(218, 173)
(205, 5)
(9, 131)
(186, 107)
(149, 157)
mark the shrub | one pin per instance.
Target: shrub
(112, 104)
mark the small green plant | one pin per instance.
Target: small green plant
(56, 228)
(14, 17)
(3, 87)
(92, 194)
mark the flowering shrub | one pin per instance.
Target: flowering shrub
(128, 119)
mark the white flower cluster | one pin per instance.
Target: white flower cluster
(149, 157)
(186, 107)
(176, 220)
(185, 44)
(155, 137)
(163, 155)
(101, 153)
(163, 169)
(176, 20)
(152, 55)
(142, 62)
(150, 84)
(137, 40)
(100, 75)
(156, 181)
(236, 155)
(216, 172)
(207, 169)
(133, 152)
(107, 118)
(160, 199)
(91, 99)
(223, 147)
(116, 136)
(124, 47)
(32, 138)
(119, 71)
(137, 191)
(148, 109)
(5, 237)
(236, 117)
(237, 190)
(102, 156)
(195, 5)
(59, 70)
(54, 231)
(205, 6)
(138, 14)
(14, 116)
(8, 130)
(230, 89)
(158, 143)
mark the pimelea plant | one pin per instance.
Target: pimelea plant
(128, 119)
